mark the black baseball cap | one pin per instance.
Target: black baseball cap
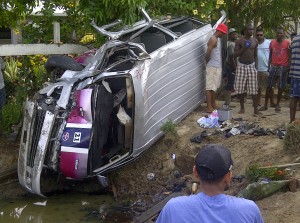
(213, 162)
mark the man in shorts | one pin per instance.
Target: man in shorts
(278, 67)
(214, 66)
(263, 53)
(295, 76)
(246, 72)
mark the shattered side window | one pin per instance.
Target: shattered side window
(120, 58)
(182, 25)
(151, 39)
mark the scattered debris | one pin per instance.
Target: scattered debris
(211, 121)
(150, 176)
(259, 190)
(198, 138)
(239, 178)
(152, 212)
(44, 203)
(280, 133)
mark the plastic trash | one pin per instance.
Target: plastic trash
(211, 121)
(281, 133)
(235, 131)
(262, 189)
(173, 157)
(150, 176)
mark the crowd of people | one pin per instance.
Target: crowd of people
(253, 64)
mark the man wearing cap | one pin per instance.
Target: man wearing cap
(230, 65)
(213, 167)
(214, 66)
(246, 73)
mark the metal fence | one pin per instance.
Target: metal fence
(25, 74)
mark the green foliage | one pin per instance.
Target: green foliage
(11, 70)
(267, 13)
(13, 11)
(291, 139)
(11, 115)
(168, 127)
(253, 173)
(23, 75)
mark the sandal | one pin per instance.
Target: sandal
(277, 108)
(263, 108)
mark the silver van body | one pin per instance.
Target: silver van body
(143, 76)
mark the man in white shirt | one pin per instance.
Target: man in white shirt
(263, 53)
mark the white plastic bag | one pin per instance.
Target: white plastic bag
(211, 121)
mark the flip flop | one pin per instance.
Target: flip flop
(263, 108)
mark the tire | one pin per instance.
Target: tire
(62, 62)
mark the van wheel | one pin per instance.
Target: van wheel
(63, 63)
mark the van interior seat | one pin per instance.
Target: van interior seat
(153, 41)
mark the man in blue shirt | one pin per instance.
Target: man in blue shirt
(213, 167)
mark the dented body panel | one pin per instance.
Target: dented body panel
(98, 119)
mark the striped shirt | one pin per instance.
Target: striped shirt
(295, 60)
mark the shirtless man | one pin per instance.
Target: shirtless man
(246, 72)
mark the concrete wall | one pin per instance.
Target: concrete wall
(32, 49)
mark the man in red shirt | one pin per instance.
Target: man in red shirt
(278, 67)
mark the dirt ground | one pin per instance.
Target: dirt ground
(171, 175)
(246, 150)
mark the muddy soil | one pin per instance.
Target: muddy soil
(171, 175)
(246, 150)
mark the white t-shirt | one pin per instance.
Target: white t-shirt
(263, 53)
